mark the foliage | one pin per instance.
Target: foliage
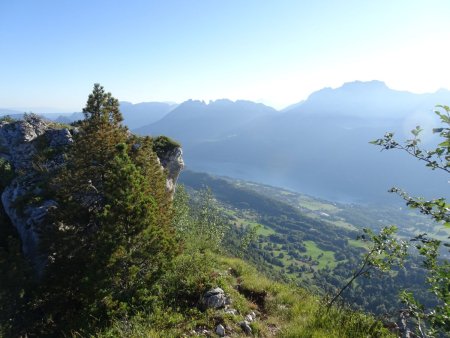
(249, 237)
(431, 321)
(6, 173)
(94, 144)
(210, 227)
(114, 268)
(136, 248)
(284, 310)
(7, 118)
(385, 251)
(140, 150)
(102, 106)
(109, 240)
(319, 254)
(15, 275)
(182, 216)
(436, 319)
(163, 144)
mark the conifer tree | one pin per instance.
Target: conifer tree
(111, 235)
(94, 145)
(142, 153)
(135, 245)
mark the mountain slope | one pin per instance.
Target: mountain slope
(194, 122)
(312, 241)
(141, 114)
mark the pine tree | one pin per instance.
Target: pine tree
(142, 153)
(111, 235)
(136, 246)
(94, 145)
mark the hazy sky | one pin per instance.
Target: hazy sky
(272, 51)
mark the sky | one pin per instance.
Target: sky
(275, 52)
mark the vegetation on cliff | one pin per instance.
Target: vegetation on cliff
(109, 236)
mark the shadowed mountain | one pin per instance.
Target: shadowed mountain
(194, 122)
(319, 146)
(141, 114)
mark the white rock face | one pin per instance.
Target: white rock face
(173, 163)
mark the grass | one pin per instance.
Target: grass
(282, 311)
(344, 225)
(293, 312)
(358, 244)
(247, 219)
(264, 230)
(315, 205)
(326, 257)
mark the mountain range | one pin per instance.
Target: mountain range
(318, 146)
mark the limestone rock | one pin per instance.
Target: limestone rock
(231, 312)
(59, 137)
(173, 163)
(214, 298)
(220, 330)
(16, 140)
(245, 326)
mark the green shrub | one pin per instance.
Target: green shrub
(192, 273)
(7, 118)
(164, 144)
(6, 173)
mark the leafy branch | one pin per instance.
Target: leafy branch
(385, 252)
(438, 158)
(437, 319)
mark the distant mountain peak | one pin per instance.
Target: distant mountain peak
(373, 84)
(354, 86)
(442, 91)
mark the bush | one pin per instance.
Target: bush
(6, 173)
(164, 144)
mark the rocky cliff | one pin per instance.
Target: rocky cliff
(34, 147)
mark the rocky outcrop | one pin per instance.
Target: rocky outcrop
(23, 199)
(214, 299)
(16, 140)
(172, 162)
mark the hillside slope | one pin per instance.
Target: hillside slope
(312, 242)
(257, 307)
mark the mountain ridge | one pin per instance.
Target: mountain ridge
(291, 148)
